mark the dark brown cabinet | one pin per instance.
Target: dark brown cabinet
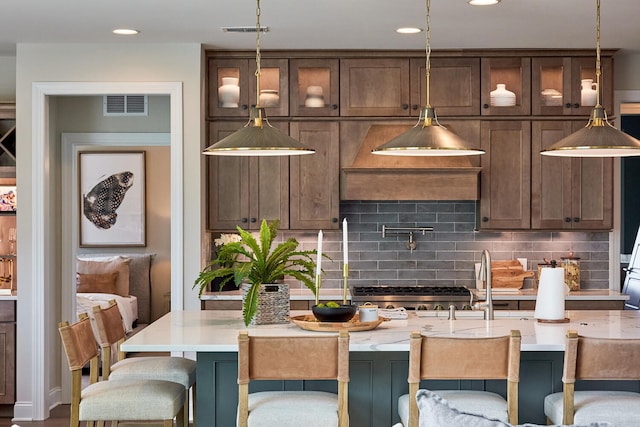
(568, 193)
(315, 194)
(244, 190)
(505, 176)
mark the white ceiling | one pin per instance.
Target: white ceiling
(324, 24)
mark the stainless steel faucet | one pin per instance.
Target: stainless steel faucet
(485, 275)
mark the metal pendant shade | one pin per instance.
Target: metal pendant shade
(598, 138)
(427, 137)
(258, 137)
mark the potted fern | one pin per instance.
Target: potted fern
(259, 267)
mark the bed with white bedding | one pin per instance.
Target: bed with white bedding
(124, 278)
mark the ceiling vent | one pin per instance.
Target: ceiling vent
(244, 29)
(125, 105)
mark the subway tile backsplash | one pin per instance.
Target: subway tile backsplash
(445, 256)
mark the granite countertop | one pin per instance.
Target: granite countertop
(530, 294)
(217, 330)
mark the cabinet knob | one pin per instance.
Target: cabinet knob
(244, 220)
(567, 219)
(334, 219)
(485, 106)
(253, 220)
(485, 219)
(576, 219)
(414, 107)
(334, 106)
(576, 105)
(405, 106)
(567, 105)
(244, 106)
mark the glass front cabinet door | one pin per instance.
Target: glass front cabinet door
(314, 87)
(506, 86)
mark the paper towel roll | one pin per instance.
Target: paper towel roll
(551, 292)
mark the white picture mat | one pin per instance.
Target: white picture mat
(129, 228)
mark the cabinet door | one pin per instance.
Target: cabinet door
(551, 86)
(585, 68)
(314, 87)
(244, 190)
(274, 86)
(374, 87)
(314, 192)
(592, 196)
(505, 176)
(515, 74)
(7, 363)
(454, 88)
(551, 180)
(228, 183)
(221, 101)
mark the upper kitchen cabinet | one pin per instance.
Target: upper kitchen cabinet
(454, 88)
(567, 85)
(568, 193)
(505, 178)
(374, 87)
(314, 87)
(232, 87)
(506, 86)
(315, 192)
(244, 190)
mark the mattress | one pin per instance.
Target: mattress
(128, 306)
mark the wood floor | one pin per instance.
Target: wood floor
(59, 418)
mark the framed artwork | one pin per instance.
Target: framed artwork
(112, 198)
(8, 199)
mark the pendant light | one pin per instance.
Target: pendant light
(427, 137)
(598, 138)
(257, 137)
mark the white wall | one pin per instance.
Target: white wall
(626, 66)
(92, 63)
(7, 78)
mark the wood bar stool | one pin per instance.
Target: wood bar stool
(123, 400)
(323, 357)
(588, 358)
(112, 334)
(443, 358)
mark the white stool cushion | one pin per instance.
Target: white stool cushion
(620, 408)
(293, 409)
(131, 400)
(487, 404)
(175, 369)
(436, 411)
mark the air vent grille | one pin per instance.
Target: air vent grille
(244, 29)
(125, 105)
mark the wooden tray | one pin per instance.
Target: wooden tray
(310, 323)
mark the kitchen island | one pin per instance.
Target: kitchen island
(379, 358)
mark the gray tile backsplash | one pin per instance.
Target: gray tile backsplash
(447, 255)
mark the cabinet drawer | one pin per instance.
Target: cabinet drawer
(505, 305)
(7, 311)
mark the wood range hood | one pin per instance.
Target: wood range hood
(380, 177)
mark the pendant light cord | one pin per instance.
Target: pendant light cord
(598, 72)
(258, 53)
(428, 52)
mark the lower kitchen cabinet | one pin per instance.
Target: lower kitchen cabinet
(568, 193)
(7, 352)
(314, 201)
(577, 305)
(505, 177)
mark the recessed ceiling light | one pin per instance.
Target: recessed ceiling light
(408, 30)
(125, 32)
(483, 2)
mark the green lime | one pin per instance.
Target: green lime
(320, 305)
(333, 304)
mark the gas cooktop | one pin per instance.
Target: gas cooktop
(423, 297)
